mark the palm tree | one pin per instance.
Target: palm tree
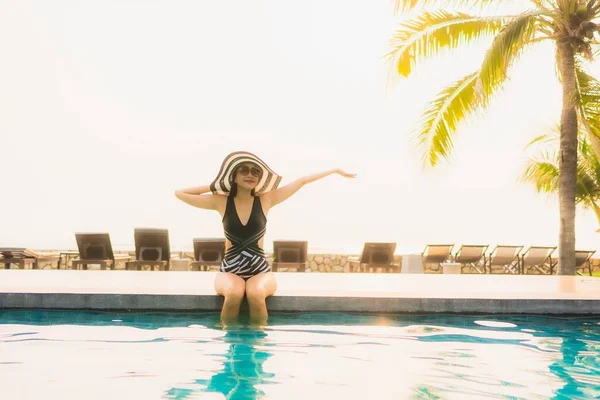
(571, 24)
(543, 171)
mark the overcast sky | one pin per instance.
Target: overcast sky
(108, 107)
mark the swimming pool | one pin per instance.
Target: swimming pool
(75, 355)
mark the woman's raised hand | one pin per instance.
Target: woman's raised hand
(345, 174)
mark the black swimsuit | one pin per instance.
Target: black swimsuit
(244, 258)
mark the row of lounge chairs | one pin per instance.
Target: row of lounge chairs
(507, 259)
(511, 259)
(152, 249)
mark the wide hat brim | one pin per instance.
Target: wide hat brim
(269, 180)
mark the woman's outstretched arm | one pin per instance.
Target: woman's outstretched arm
(283, 193)
(196, 197)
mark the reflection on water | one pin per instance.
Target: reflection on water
(242, 371)
(71, 355)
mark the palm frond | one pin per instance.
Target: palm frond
(594, 144)
(508, 44)
(568, 7)
(442, 116)
(543, 173)
(429, 32)
(542, 4)
(587, 191)
(588, 95)
(588, 101)
(408, 5)
(545, 138)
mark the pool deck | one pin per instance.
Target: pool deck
(395, 293)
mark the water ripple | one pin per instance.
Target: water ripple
(298, 356)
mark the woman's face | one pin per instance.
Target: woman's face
(248, 175)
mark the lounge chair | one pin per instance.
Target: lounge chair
(376, 255)
(505, 257)
(538, 258)
(207, 253)
(290, 254)
(96, 249)
(436, 254)
(583, 258)
(472, 256)
(152, 249)
(23, 257)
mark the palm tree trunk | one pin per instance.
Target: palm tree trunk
(567, 175)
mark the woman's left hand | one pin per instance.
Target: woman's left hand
(345, 174)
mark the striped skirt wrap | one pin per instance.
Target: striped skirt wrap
(245, 258)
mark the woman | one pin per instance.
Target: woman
(243, 193)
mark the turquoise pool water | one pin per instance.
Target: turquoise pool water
(83, 355)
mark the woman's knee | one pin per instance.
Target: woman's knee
(233, 293)
(256, 293)
(230, 286)
(260, 287)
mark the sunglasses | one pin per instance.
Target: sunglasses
(245, 170)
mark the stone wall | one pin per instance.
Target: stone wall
(327, 263)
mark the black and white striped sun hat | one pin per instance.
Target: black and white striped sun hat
(269, 180)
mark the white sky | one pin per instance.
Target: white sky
(107, 107)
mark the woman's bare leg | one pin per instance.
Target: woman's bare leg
(232, 288)
(258, 288)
